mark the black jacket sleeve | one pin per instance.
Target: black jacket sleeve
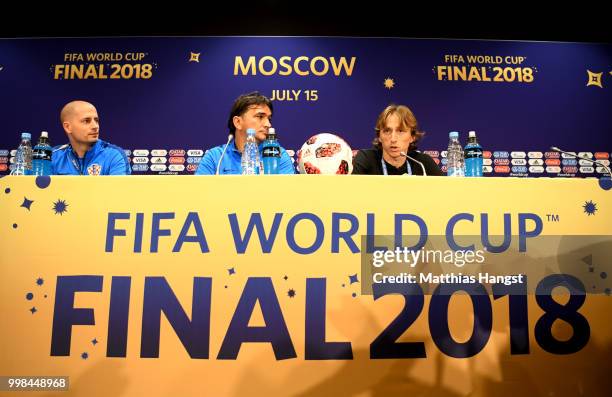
(431, 167)
(362, 165)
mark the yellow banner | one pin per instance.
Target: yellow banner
(237, 285)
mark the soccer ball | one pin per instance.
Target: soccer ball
(325, 154)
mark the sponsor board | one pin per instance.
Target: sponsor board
(140, 152)
(501, 161)
(140, 167)
(177, 152)
(176, 167)
(140, 160)
(195, 153)
(519, 169)
(176, 160)
(553, 162)
(551, 155)
(158, 167)
(158, 160)
(501, 155)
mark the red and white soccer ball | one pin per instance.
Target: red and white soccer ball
(325, 154)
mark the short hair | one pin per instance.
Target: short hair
(243, 103)
(68, 109)
(407, 120)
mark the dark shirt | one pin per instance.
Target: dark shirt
(368, 162)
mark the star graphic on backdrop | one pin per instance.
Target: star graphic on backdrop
(60, 206)
(291, 293)
(285, 278)
(94, 341)
(26, 203)
(231, 271)
(33, 310)
(84, 356)
(594, 79)
(353, 278)
(40, 281)
(389, 83)
(195, 57)
(589, 208)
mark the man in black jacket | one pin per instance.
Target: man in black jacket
(394, 151)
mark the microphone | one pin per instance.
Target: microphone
(229, 139)
(556, 149)
(416, 161)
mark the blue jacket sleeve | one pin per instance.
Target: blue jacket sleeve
(119, 164)
(286, 165)
(208, 165)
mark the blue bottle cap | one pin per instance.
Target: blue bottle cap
(453, 134)
(250, 131)
(26, 135)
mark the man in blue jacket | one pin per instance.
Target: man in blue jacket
(86, 154)
(251, 110)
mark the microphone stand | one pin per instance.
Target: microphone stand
(229, 139)
(416, 161)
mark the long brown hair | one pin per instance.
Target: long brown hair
(407, 120)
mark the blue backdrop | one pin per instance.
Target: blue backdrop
(175, 93)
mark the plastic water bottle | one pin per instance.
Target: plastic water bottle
(473, 156)
(41, 156)
(23, 156)
(250, 162)
(271, 153)
(454, 156)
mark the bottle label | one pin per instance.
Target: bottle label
(271, 152)
(455, 171)
(473, 153)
